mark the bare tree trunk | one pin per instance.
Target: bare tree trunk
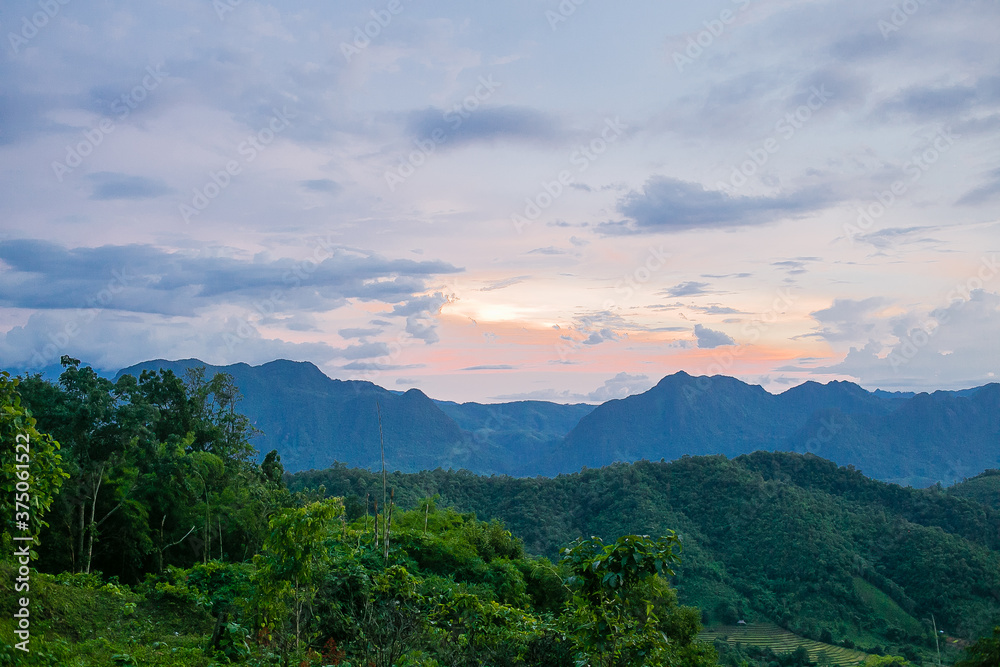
(91, 528)
(83, 531)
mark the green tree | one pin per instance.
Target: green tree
(295, 558)
(984, 652)
(31, 463)
(617, 615)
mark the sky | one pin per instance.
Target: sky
(498, 201)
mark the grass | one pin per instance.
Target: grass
(885, 607)
(780, 640)
(81, 621)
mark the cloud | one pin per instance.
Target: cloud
(500, 284)
(109, 185)
(666, 204)
(948, 348)
(484, 125)
(690, 288)
(548, 250)
(146, 279)
(984, 193)
(848, 319)
(948, 103)
(358, 333)
(322, 185)
(619, 386)
(716, 309)
(495, 367)
(375, 366)
(85, 334)
(709, 338)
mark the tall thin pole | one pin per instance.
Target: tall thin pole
(381, 442)
(936, 645)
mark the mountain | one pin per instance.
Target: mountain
(788, 538)
(911, 439)
(918, 440)
(313, 421)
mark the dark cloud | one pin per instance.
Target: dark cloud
(146, 279)
(671, 204)
(110, 185)
(709, 338)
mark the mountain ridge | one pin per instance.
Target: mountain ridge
(314, 420)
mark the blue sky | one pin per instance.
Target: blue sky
(523, 199)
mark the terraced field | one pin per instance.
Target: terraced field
(780, 640)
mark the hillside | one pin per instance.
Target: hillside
(784, 538)
(983, 488)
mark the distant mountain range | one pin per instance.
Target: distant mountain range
(313, 421)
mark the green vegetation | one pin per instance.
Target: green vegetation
(780, 538)
(985, 652)
(164, 540)
(783, 642)
(164, 543)
(885, 607)
(983, 488)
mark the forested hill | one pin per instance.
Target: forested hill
(983, 488)
(912, 439)
(790, 538)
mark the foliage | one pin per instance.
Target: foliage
(620, 605)
(984, 652)
(782, 537)
(30, 462)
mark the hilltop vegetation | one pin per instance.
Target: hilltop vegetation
(984, 488)
(161, 542)
(165, 539)
(788, 538)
